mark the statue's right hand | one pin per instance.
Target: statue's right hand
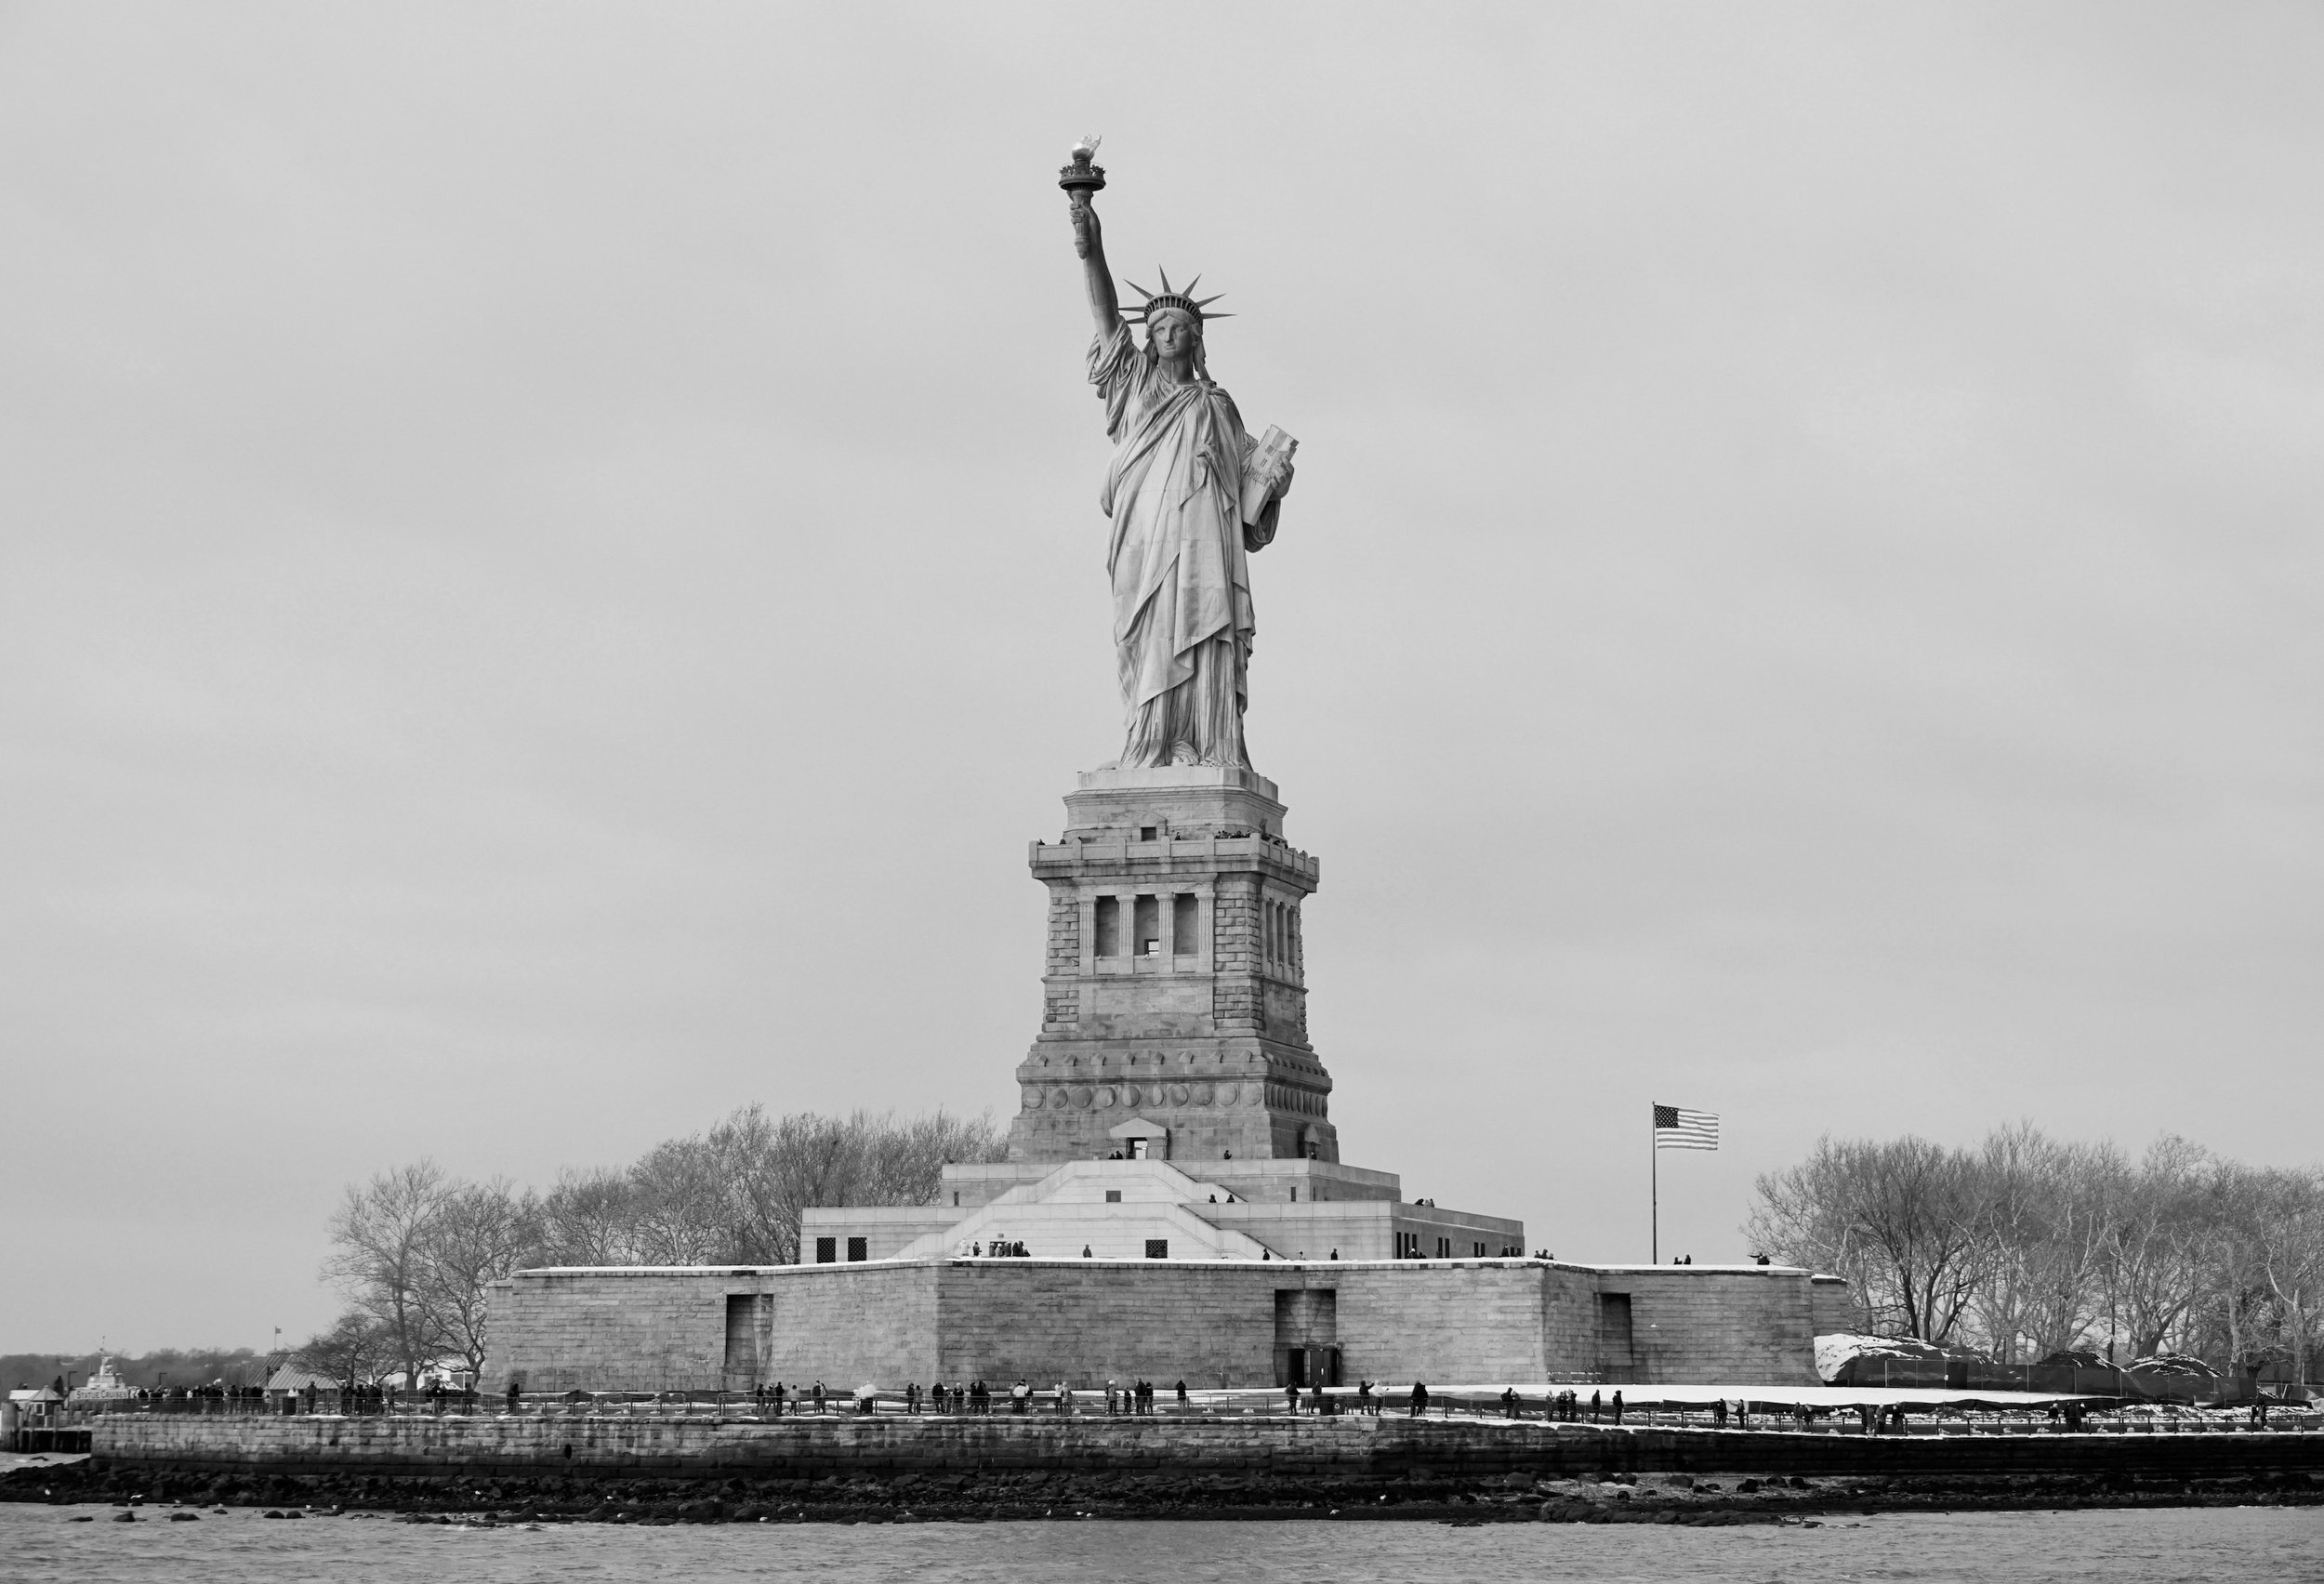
(1084, 224)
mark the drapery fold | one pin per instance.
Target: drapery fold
(1182, 618)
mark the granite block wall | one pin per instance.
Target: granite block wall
(1741, 1324)
(610, 1330)
(850, 1324)
(1212, 1322)
(1833, 1306)
(1082, 1322)
(1402, 1321)
(891, 1444)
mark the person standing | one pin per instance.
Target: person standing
(1420, 1400)
(1181, 1393)
(1617, 1408)
(819, 1397)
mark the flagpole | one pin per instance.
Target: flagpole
(1654, 1192)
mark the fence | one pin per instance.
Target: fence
(1746, 1416)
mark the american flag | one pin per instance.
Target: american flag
(1676, 1129)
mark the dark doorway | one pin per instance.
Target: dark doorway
(1615, 1358)
(742, 1339)
(1307, 1337)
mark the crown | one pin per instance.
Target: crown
(1184, 301)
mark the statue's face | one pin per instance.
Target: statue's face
(1170, 334)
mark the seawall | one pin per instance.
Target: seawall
(1388, 1445)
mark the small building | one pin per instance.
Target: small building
(290, 1382)
(28, 1407)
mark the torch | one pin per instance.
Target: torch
(1080, 177)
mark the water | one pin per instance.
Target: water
(2199, 1545)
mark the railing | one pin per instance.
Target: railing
(1238, 1404)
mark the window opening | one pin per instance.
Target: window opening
(858, 1250)
(1185, 924)
(1149, 925)
(1109, 930)
(1113, 1195)
(826, 1250)
(1157, 1247)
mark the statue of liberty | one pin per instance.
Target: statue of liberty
(1189, 494)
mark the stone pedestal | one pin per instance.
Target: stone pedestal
(1174, 1009)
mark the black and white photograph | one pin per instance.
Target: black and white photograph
(1238, 791)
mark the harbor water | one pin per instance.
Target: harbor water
(40, 1544)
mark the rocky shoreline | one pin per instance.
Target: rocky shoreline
(1041, 1495)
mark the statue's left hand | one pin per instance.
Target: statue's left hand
(1283, 485)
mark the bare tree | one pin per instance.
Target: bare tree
(1909, 1222)
(481, 1233)
(734, 1193)
(379, 1254)
(355, 1350)
(588, 1216)
(2293, 1265)
(2029, 1247)
(2158, 1229)
(2046, 1233)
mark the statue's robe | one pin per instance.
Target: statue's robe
(1182, 622)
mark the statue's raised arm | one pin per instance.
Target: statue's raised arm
(1106, 307)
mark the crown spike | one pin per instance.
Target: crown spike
(1188, 289)
(1166, 276)
(1206, 302)
(1135, 287)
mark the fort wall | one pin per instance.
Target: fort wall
(804, 1448)
(1212, 1322)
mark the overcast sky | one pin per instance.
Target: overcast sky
(549, 570)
